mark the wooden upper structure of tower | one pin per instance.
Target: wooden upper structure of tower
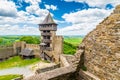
(48, 24)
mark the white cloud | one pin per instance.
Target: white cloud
(24, 22)
(50, 7)
(34, 9)
(7, 8)
(84, 21)
(90, 15)
(32, 1)
(18, 30)
(99, 3)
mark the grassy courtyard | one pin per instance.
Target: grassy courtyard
(9, 77)
(17, 62)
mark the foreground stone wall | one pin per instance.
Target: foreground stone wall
(63, 73)
(102, 49)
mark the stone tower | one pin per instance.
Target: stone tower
(48, 30)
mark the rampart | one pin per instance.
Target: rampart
(6, 52)
(19, 46)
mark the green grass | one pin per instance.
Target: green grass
(70, 44)
(9, 77)
(69, 48)
(17, 62)
(75, 40)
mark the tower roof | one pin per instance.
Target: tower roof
(48, 20)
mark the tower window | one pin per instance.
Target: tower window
(48, 37)
(48, 45)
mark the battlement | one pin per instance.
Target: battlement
(32, 46)
(59, 37)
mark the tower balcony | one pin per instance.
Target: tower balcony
(47, 28)
(46, 40)
(48, 48)
(45, 34)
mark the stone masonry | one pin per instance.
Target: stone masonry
(102, 48)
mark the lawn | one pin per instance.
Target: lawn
(17, 62)
(9, 77)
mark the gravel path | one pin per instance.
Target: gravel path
(17, 70)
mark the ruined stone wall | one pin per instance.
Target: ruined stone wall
(102, 49)
(58, 47)
(6, 52)
(35, 47)
(65, 72)
(20, 45)
(23, 45)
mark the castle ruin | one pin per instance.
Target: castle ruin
(99, 53)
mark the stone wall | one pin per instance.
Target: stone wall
(47, 68)
(65, 72)
(22, 45)
(6, 52)
(102, 49)
(58, 48)
(35, 47)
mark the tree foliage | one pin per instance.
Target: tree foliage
(30, 39)
(68, 48)
(1, 40)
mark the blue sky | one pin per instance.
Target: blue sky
(74, 17)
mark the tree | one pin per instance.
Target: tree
(1, 40)
(30, 39)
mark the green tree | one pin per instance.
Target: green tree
(1, 40)
(30, 39)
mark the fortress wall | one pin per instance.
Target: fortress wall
(20, 44)
(58, 47)
(102, 49)
(6, 52)
(35, 47)
(63, 73)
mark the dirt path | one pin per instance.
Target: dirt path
(25, 71)
(17, 70)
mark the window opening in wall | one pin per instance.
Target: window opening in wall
(48, 45)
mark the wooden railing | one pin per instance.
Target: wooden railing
(45, 33)
(47, 28)
(46, 40)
